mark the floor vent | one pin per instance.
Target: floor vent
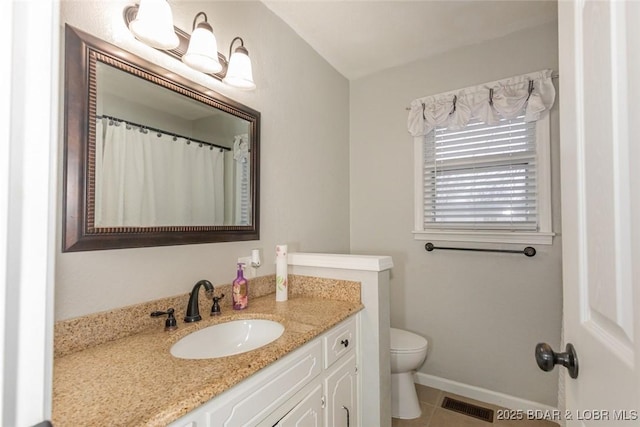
(465, 408)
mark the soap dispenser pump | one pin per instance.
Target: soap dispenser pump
(240, 290)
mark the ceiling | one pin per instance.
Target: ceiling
(361, 37)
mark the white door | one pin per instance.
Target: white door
(29, 86)
(600, 162)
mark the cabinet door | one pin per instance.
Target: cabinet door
(341, 389)
(307, 413)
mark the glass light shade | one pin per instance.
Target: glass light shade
(239, 73)
(154, 25)
(202, 53)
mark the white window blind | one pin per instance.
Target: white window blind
(242, 158)
(481, 176)
(245, 201)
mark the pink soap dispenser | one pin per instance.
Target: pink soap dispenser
(240, 290)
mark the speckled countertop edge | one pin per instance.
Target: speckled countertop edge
(134, 381)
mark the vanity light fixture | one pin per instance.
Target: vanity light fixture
(198, 50)
(239, 73)
(153, 25)
(202, 53)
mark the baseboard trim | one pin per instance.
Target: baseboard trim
(481, 394)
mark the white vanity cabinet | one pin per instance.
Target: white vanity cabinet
(313, 386)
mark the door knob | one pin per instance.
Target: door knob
(547, 358)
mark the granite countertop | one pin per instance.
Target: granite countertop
(134, 381)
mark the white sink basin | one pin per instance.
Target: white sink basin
(227, 339)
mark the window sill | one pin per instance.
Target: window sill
(486, 236)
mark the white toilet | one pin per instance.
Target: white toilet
(408, 351)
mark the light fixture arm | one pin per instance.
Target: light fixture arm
(241, 47)
(195, 20)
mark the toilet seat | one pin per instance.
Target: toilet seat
(406, 342)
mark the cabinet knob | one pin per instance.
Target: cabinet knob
(345, 343)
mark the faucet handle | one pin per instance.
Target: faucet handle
(215, 308)
(170, 324)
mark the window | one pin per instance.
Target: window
(485, 183)
(482, 166)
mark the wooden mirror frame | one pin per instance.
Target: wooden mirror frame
(82, 51)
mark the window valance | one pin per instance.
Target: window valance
(487, 102)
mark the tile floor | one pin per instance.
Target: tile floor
(433, 415)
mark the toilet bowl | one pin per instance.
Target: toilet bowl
(408, 352)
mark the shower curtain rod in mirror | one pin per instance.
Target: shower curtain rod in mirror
(175, 135)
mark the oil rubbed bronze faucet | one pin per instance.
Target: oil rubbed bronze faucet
(193, 309)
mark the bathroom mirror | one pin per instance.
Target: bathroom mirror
(151, 158)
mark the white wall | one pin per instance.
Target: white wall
(304, 160)
(482, 313)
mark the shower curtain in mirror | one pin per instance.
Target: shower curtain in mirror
(148, 179)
